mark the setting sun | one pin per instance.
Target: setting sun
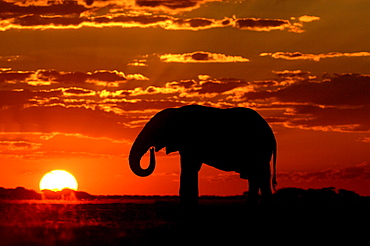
(58, 180)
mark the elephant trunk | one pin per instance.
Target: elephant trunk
(152, 135)
(136, 153)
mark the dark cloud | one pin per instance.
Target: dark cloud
(297, 74)
(331, 118)
(185, 84)
(313, 57)
(334, 103)
(199, 56)
(202, 57)
(77, 14)
(360, 171)
(13, 76)
(258, 24)
(340, 102)
(94, 123)
(143, 20)
(89, 2)
(77, 91)
(17, 145)
(60, 77)
(167, 3)
(340, 90)
(218, 86)
(190, 89)
(13, 98)
(39, 20)
(11, 10)
(194, 23)
(149, 104)
(21, 98)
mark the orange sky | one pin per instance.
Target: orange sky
(79, 79)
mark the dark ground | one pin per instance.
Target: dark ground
(292, 217)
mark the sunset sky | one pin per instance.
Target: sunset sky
(79, 79)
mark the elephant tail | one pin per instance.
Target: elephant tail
(274, 152)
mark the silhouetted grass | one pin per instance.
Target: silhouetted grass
(291, 216)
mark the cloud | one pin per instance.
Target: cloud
(41, 22)
(76, 102)
(258, 24)
(360, 171)
(312, 57)
(330, 118)
(69, 101)
(42, 14)
(166, 6)
(219, 86)
(10, 58)
(172, 6)
(364, 139)
(308, 18)
(38, 145)
(223, 177)
(190, 89)
(336, 103)
(95, 123)
(338, 90)
(154, 105)
(19, 145)
(201, 57)
(43, 77)
(139, 62)
(11, 9)
(136, 76)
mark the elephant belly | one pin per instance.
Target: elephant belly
(232, 166)
(227, 163)
(244, 164)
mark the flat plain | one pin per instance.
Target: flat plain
(217, 221)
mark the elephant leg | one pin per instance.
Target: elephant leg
(253, 191)
(260, 184)
(189, 180)
(265, 182)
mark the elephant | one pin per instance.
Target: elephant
(232, 139)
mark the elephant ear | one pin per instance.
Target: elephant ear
(174, 131)
(171, 148)
(172, 137)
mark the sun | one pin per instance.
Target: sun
(58, 180)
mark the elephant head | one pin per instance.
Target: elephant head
(155, 135)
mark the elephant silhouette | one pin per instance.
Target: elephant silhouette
(233, 139)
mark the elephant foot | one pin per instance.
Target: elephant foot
(189, 203)
(189, 212)
(253, 200)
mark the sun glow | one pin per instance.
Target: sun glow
(58, 180)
